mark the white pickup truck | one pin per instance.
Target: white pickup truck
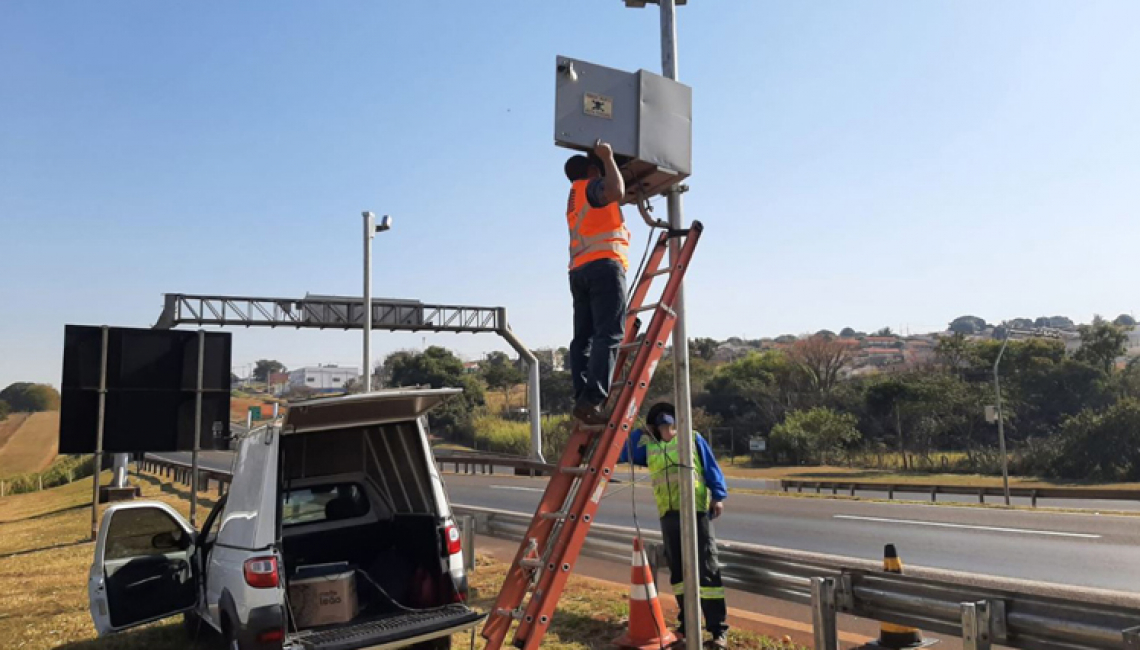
(345, 481)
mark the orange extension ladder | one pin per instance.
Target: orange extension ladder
(555, 536)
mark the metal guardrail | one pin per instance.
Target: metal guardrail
(1013, 613)
(933, 490)
(984, 610)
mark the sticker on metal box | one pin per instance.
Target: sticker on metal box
(599, 106)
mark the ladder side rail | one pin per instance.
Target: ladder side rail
(567, 548)
(553, 500)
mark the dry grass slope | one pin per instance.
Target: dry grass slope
(32, 446)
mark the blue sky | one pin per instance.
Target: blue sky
(856, 163)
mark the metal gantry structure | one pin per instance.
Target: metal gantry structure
(347, 312)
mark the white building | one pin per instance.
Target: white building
(322, 378)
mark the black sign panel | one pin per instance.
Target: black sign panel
(152, 377)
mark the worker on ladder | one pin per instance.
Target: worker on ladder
(599, 259)
(656, 448)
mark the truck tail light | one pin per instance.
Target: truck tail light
(261, 572)
(451, 536)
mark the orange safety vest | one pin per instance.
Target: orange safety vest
(595, 233)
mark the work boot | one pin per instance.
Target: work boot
(679, 644)
(718, 642)
(590, 413)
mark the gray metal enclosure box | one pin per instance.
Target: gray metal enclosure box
(646, 118)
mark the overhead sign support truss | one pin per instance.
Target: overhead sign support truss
(340, 312)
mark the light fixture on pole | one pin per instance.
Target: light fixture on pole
(1009, 333)
(371, 227)
(1001, 427)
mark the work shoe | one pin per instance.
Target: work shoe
(718, 642)
(590, 413)
(679, 644)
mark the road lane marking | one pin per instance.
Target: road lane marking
(517, 487)
(938, 524)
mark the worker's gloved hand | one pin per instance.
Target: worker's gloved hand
(603, 150)
(716, 509)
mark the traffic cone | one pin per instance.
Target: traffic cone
(647, 630)
(897, 637)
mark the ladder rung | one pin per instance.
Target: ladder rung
(661, 271)
(530, 563)
(592, 428)
(576, 471)
(647, 308)
(562, 514)
(509, 612)
(638, 342)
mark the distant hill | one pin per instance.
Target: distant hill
(29, 442)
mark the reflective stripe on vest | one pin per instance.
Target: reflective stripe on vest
(595, 233)
(664, 471)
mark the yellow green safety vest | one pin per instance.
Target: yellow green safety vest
(665, 471)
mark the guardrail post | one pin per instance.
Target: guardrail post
(1033, 497)
(654, 551)
(823, 614)
(852, 489)
(981, 495)
(1132, 638)
(890, 493)
(467, 538)
(976, 626)
(221, 487)
(934, 494)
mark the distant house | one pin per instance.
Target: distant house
(471, 367)
(550, 357)
(278, 383)
(322, 379)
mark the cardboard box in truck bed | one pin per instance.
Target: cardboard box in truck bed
(323, 594)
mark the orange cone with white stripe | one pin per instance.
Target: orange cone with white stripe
(647, 630)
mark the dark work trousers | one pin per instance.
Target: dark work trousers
(712, 589)
(598, 289)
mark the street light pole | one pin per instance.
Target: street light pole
(1001, 426)
(370, 229)
(690, 559)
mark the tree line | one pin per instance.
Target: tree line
(27, 397)
(1073, 415)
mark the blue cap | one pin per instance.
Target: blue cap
(665, 418)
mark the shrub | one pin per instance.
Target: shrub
(64, 470)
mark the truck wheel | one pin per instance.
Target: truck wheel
(229, 634)
(191, 624)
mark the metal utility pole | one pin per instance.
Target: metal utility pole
(370, 229)
(1001, 426)
(197, 429)
(690, 559)
(97, 460)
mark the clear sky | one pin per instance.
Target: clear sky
(861, 163)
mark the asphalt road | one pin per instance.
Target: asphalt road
(1074, 549)
(1090, 550)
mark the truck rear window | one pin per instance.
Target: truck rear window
(316, 503)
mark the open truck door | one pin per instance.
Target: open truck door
(142, 570)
